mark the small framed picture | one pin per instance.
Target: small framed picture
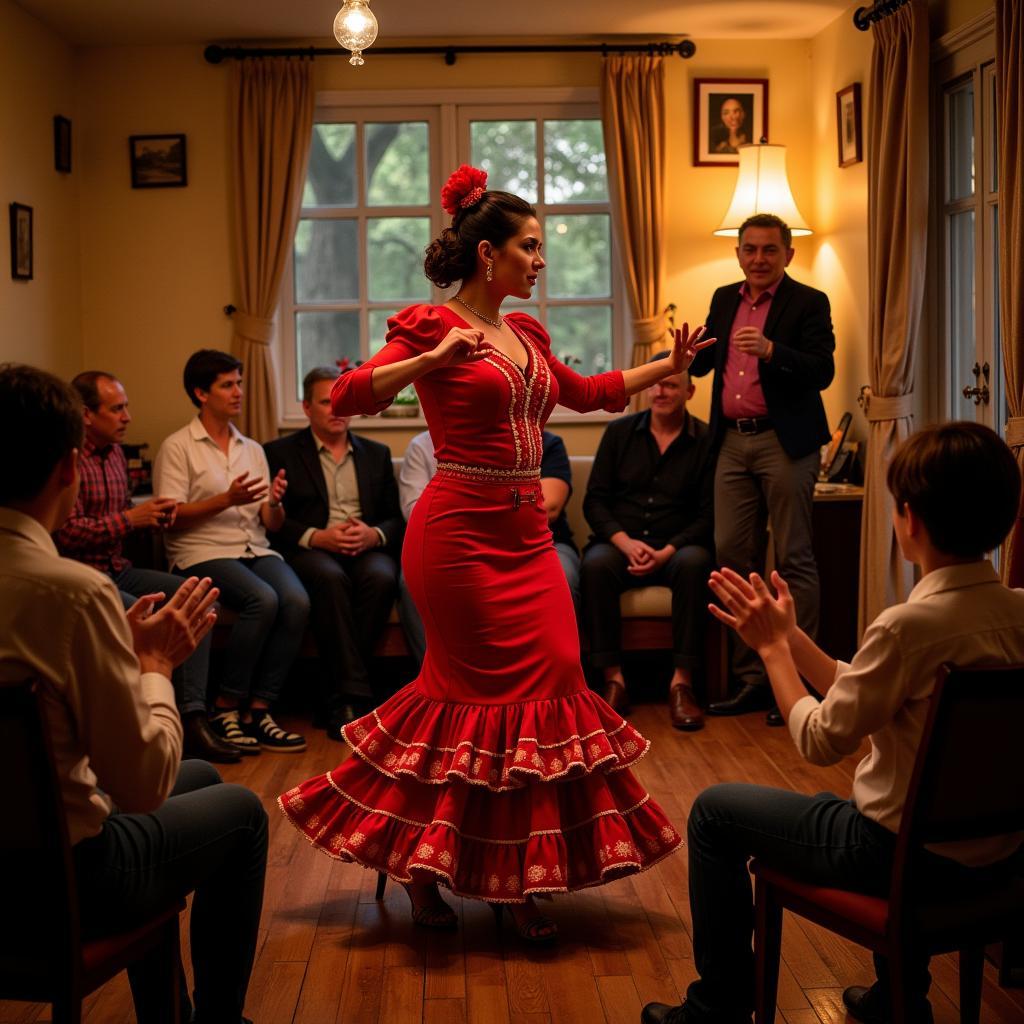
(62, 144)
(848, 125)
(727, 113)
(21, 242)
(158, 161)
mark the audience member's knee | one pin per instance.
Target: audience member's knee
(195, 773)
(242, 807)
(708, 806)
(262, 600)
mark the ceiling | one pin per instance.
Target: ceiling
(148, 22)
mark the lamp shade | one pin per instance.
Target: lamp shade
(762, 187)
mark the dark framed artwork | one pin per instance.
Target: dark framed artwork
(158, 161)
(727, 113)
(62, 144)
(848, 125)
(21, 242)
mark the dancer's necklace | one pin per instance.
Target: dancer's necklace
(476, 312)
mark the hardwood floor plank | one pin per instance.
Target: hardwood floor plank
(444, 1011)
(620, 999)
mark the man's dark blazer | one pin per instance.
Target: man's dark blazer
(305, 502)
(801, 367)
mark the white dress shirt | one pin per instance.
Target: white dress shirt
(418, 468)
(961, 614)
(190, 466)
(116, 733)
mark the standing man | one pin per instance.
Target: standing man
(773, 359)
(227, 502)
(145, 829)
(342, 534)
(649, 503)
(94, 533)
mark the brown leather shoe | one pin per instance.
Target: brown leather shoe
(683, 709)
(202, 742)
(615, 695)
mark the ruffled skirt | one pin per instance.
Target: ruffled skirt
(496, 771)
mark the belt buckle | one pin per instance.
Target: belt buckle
(747, 425)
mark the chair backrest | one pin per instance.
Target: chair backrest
(966, 782)
(40, 909)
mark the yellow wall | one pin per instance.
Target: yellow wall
(39, 319)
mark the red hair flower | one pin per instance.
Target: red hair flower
(465, 188)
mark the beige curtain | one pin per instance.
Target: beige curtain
(897, 236)
(1010, 122)
(272, 105)
(633, 113)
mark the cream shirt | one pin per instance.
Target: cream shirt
(961, 614)
(116, 733)
(191, 467)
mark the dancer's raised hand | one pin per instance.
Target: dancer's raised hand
(685, 347)
(459, 345)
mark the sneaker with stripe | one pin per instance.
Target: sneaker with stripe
(227, 726)
(270, 736)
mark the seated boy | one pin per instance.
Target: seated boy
(956, 492)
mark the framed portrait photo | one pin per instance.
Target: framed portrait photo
(21, 242)
(727, 113)
(158, 161)
(62, 144)
(848, 119)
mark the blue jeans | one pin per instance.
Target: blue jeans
(273, 608)
(191, 679)
(825, 840)
(209, 838)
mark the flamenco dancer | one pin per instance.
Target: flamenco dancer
(496, 772)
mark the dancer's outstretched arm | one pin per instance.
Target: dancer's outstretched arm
(458, 346)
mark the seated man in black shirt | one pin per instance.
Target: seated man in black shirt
(649, 502)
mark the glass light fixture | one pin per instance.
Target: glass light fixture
(762, 187)
(355, 28)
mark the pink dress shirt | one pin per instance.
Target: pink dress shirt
(741, 388)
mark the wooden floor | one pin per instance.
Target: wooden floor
(329, 954)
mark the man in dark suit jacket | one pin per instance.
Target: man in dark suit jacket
(342, 535)
(773, 359)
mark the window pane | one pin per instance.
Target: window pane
(993, 130)
(574, 165)
(394, 255)
(961, 311)
(326, 261)
(378, 328)
(507, 151)
(398, 164)
(579, 255)
(960, 133)
(331, 178)
(323, 339)
(582, 336)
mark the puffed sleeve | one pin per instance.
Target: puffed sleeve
(581, 394)
(411, 332)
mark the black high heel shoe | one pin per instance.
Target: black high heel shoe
(440, 918)
(538, 931)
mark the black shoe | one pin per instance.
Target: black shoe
(774, 717)
(662, 1013)
(202, 742)
(270, 736)
(750, 698)
(227, 726)
(338, 720)
(869, 1006)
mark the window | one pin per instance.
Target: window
(371, 206)
(969, 275)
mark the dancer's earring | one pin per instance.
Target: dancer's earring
(490, 272)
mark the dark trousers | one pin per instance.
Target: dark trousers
(191, 678)
(825, 840)
(350, 601)
(273, 608)
(757, 482)
(209, 838)
(604, 576)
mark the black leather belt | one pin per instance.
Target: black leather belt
(750, 424)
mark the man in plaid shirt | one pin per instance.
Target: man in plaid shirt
(94, 533)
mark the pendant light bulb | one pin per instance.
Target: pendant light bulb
(355, 28)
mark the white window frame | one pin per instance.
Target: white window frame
(446, 111)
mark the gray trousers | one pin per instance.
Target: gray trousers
(757, 482)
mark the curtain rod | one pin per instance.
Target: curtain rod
(863, 17)
(215, 53)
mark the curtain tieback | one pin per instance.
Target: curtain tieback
(649, 330)
(889, 407)
(1015, 431)
(254, 328)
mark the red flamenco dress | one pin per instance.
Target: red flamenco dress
(496, 771)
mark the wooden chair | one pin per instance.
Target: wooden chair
(965, 785)
(43, 957)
